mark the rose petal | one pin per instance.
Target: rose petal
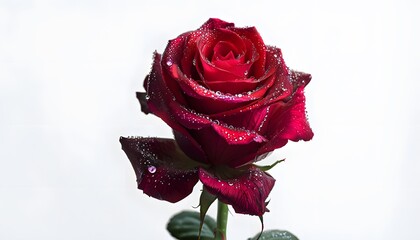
(236, 87)
(234, 136)
(163, 171)
(254, 120)
(247, 193)
(299, 79)
(207, 47)
(223, 144)
(142, 97)
(188, 118)
(218, 103)
(204, 100)
(279, 88)
(218, 143)
(196, 121)
(189, 46)
(240, 65)
(160, 99)
(187, 49)
(214, 23)
(226, 51)
(288, 122)
(251, 33)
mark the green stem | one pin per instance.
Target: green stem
(222, 217)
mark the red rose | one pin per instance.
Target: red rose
(230, 100)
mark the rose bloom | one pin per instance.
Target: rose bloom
(230, 100)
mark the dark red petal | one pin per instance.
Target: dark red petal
(158, 95)
(214, 23)
(247, 193)
(287, 123)
(222, 144)
(163, 171)
(189, 118)
(218, 143)
(196, 121)
(160, 98)
(142, 97)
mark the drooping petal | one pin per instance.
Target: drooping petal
(246, 193)
(163, 171)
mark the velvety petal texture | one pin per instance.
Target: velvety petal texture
(230, 100)
(163, 171)
(247, 193)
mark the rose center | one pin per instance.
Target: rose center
(224, 51)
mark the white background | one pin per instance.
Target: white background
(69, 71)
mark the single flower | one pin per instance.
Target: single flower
(230, 100)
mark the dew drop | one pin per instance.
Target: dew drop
(147, 97)
(169, 63)
(151, 169)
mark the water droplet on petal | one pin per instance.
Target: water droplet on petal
(151, 169)
(169, 63)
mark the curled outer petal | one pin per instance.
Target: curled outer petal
(247, 193)
(163, 171)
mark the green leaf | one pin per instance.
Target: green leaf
(185, 226)
(206, 199)
(268, 167)
(274, 235)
